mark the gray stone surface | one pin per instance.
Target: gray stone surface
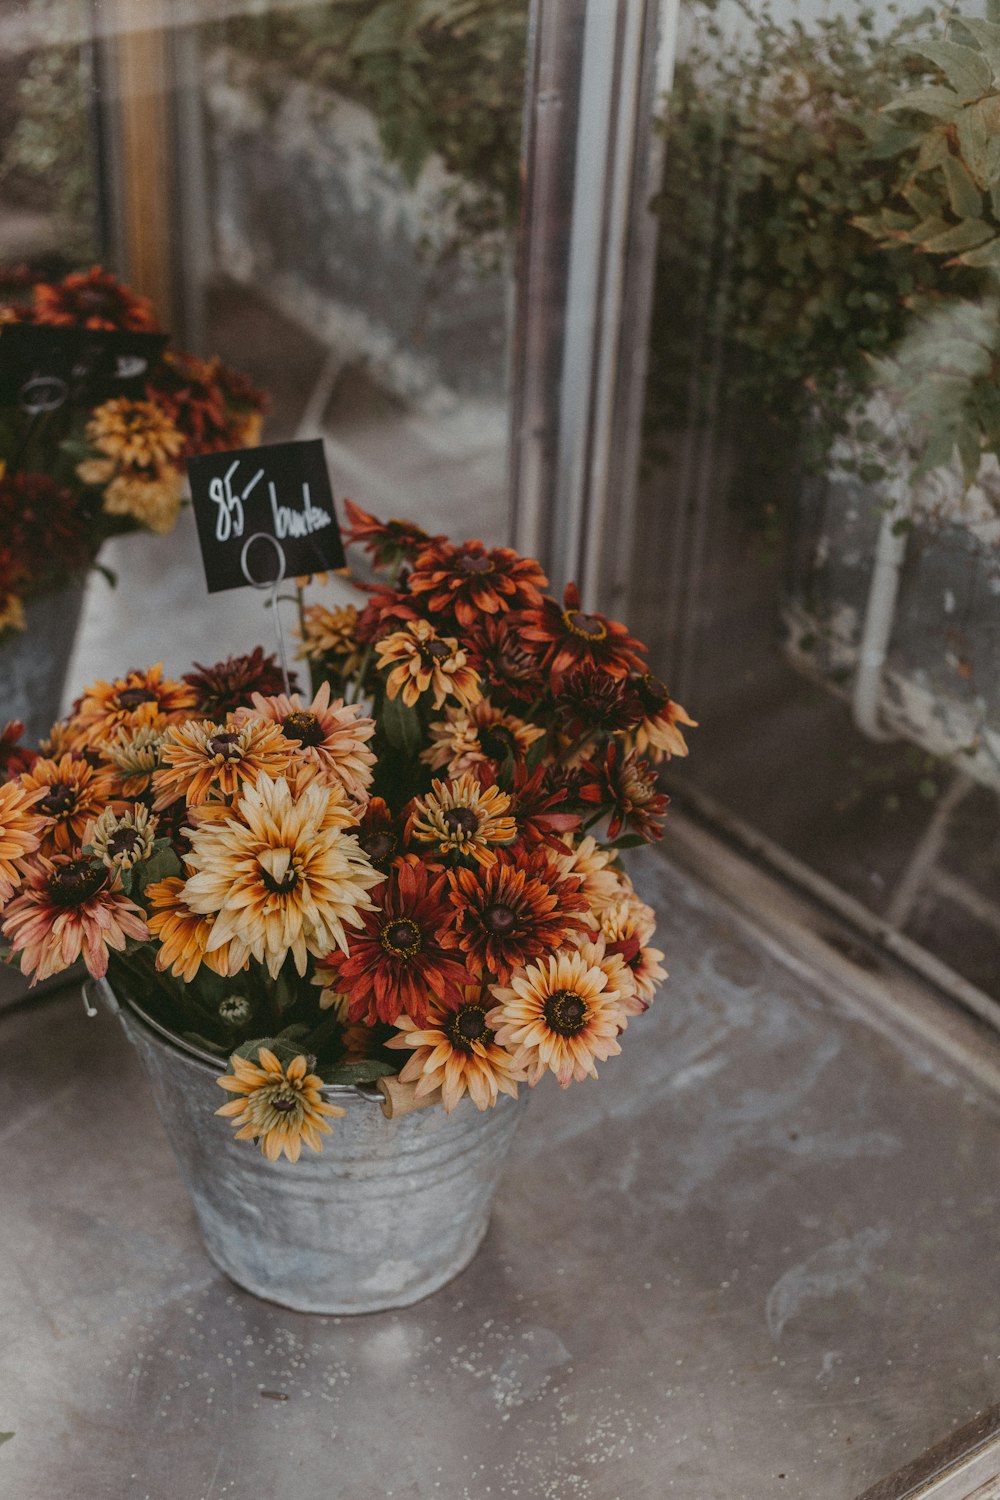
(757, 1259)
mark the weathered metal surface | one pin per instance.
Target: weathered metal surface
(34, 662)
(756, 1261)
(388, 1212)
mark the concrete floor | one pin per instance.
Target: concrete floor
(756, 1259)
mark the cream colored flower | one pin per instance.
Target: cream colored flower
(559, 1014)
(121, 840)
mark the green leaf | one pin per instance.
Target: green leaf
(965, 236)
(965, 198)
(985, 257)
(365, 1071)
(965, 68)
(5, 1437)
(160, 865)
(401, 725)
(987, 34)
(941, 103)
(629, 841)
(285, 1052)
(978, 130)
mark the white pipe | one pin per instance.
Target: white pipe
(880, 613)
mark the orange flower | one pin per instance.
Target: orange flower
(508, 913)
(71, 793)
(70, 908)
(281, 1107)
(200, 758)
(657, 734)
(463, 818)
(20, 831)
(427, 663)
(455, 1050)
(137, 699)
(469, 580)
(471, 737)
(183, 934)
(559, 1015)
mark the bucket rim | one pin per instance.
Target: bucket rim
(206, 1060)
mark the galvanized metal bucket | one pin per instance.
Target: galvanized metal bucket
(390, 1211)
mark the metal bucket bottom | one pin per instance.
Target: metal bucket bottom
(388, 1213)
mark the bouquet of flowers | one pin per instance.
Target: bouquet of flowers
(413, 868)
(73, 476)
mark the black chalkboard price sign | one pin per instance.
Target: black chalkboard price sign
(264, 514)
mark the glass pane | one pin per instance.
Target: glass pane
(817, 554)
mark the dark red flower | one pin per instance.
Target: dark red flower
(387, 542)
(94, 299)
(510, 912)
(14, 758)
(471, 580)
(16, 289)
(396, 963)
(588, 699)
(208, 404)
(380, 833)
(43, 527)
(510, 668)
(231, 684)
(572, 638)
(387, 609)
(626, 787)
(539, 809)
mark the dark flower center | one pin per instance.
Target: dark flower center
(378, 846)
(130, 698)
(460, 820)
(434, 650)
(303, 726)
(227, 745)
(288, 881)
(499, 919)
(58, 800)
(654, 692)
(402, 938)
(566, 1012)
(468, 1025)
(590, 627)
(498, 741)
(75, 883)
(123, 841)
(284, 1103)
(476, 565)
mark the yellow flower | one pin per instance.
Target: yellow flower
(456, 1051)
(427, 662)
(281, 1107)
(596, 868)
(121, 840)
(153, 501)
(331, 633)
(11, 611)
(280, 875)
(183, 935)
(135, 754)
(470, 737)
(20, 832)
(71, 794)
(137, 699)
(462, 817)
(658, 735)
(559, 1014)
(139, 434)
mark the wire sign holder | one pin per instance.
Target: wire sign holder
(276, 496)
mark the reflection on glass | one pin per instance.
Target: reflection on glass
(823, 429)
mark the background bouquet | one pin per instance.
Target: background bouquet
(414, 868)
(73, 476)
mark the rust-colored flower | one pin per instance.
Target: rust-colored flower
(328, 741)
(396, 963)
(93, 299)
(14, 758)
(228, 685)
(183, 935)
(380, 833)
(282, 1107)
(455, 1050)
(657, 733)
(68, 908)
(20, 833)
(138, 698)
(539, 810)
(626, 787)
(422, 662)
(510, 668)
(463, 818)
(559, 1015)
(572, 638)
(70, 794)
(511, 912)
(199, 759)
(45, 531)
(388, 542)
(469, 738)
(472, 580)
(213, 408)
(589, 701)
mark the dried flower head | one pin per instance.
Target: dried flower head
(121, 840)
